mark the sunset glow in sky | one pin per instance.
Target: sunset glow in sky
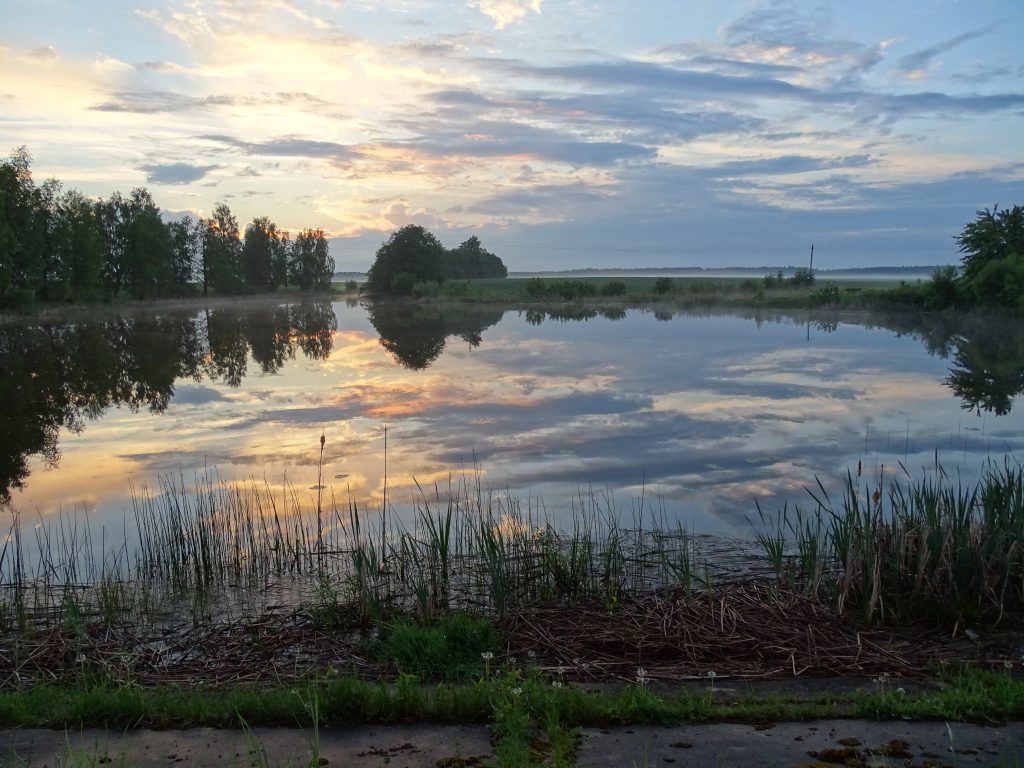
(566, 133)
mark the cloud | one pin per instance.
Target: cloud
(160, 66)
(375, 215)
(196, 395)
(930, 103)
(640, 116)
(787, 164)
(553, 201)
(981, 73)
(659, 83)
(505, 12)
(748, 129)
(175, 173)
(650, 76)
(522, 141)
(153, 102)
(442, 46)
(913, 64)
(781, 33)
(44, 54)
(288, 146)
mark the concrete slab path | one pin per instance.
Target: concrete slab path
(818, 743)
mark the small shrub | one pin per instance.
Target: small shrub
(827, 294)
(802, 276)
(403, 283)
(943, 287)
(426, 288)
(456, 288)
(535, 288)
(17, 298)
(572, 290)
(663, 285)
(614, 288)
(774, 281)
(1000, 282)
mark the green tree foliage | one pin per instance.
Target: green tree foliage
(993, 257)
(58, 245)
(46, 271)
(992, 236)
(413, 255)
(280, 252)
(258, 252)
(137, 246)
(78, 242)
(149, 265)
(110, 215)
(186, 246)
(310, 265)
(222, 249)
(411, 249)
(10, 197)
(943, 288)
(403, 284)
(22, 229)
(1000, 283)
(471, 260)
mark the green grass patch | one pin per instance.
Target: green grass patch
(450, 648)
(683, 291)
(973, 695)
(513, 696)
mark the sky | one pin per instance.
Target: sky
(564, 133)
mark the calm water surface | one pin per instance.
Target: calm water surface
(689, 417)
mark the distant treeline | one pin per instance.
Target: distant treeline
(790, 270)
(57, 244)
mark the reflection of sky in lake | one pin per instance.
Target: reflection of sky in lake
(700, 415)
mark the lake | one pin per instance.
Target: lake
(678, 416)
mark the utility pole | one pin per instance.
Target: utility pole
(812, 258)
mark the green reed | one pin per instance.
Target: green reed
(888, 549)
(200, 549)
(678, 562)
(899, 549)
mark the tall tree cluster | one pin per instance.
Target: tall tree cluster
(413, 255)
(59, 245)
(993, 257)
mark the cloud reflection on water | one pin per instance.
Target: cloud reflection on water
(700, 414)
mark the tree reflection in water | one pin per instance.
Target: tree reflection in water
(989, 372)
(416, 335)
(59, 374)
(987, 355)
